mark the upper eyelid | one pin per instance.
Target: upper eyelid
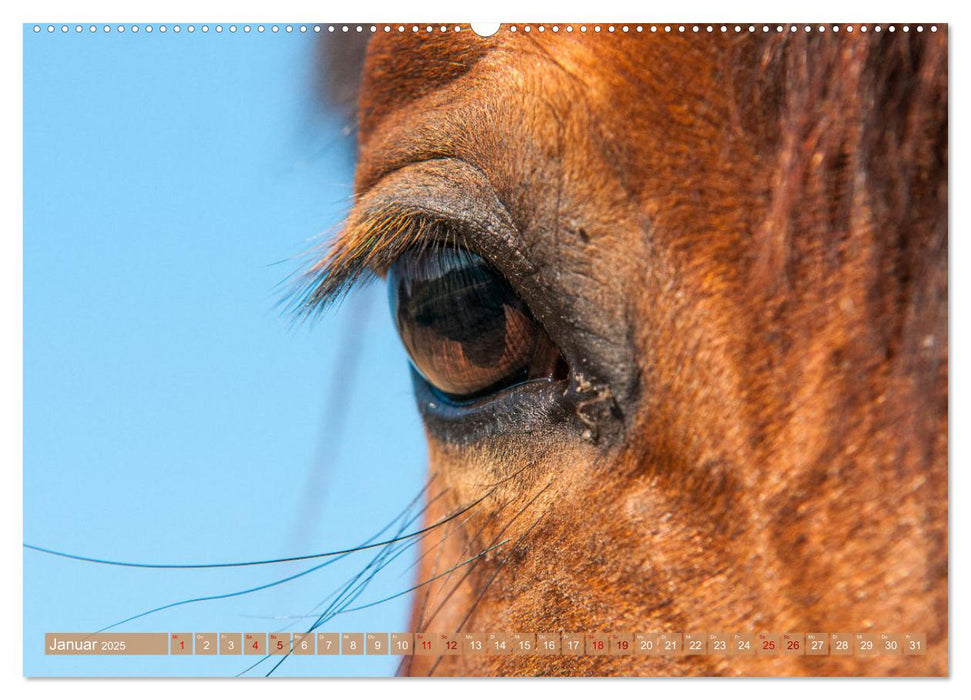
(443, 199)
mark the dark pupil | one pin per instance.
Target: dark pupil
(463, 326)
(465, 306)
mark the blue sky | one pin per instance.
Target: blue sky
(172, 413)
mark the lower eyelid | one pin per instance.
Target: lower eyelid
(519, 410)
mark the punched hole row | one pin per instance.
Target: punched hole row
(441, 28)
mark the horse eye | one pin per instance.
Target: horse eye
(466, 330)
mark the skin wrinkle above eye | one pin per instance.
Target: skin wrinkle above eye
(450, 190)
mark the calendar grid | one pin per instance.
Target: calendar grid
(694, 643)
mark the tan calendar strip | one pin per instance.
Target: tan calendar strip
(694, 643)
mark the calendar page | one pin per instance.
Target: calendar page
(437, 349)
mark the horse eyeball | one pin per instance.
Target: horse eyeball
(467, 332)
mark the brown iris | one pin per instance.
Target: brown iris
(467, 332)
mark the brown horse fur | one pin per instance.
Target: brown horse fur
(740, 244)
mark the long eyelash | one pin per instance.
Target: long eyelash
(366, 247)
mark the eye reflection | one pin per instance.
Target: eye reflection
(467, 332)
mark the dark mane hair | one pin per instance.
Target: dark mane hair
(861, 182)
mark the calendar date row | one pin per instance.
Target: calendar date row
(489, 643)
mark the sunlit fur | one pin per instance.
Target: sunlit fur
(762, 218)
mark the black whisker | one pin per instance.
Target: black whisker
(502, 531)
(262, 562)
(489, 583)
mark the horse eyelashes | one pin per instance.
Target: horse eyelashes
(466, 331)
